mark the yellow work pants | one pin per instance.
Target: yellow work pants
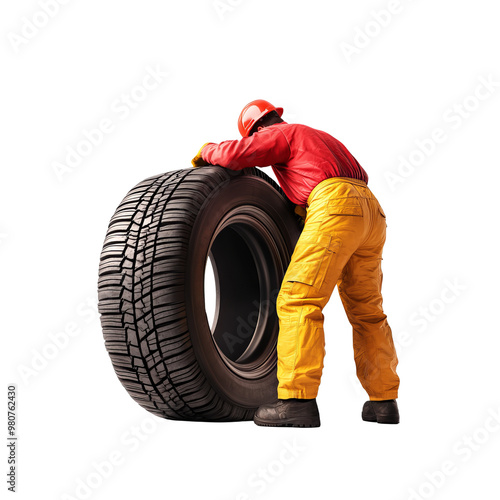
(341, 244)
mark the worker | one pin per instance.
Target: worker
(341, 244)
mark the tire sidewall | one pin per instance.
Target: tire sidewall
(237, 191)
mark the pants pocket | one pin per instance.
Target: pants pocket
(344, 206)
(311, 260)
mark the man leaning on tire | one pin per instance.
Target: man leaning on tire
(341, 244)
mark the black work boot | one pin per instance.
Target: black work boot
(288, 413)
(383, 412)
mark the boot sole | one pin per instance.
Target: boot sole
(381, 420)
(285, 423)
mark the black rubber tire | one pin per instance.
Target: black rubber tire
(151, 291)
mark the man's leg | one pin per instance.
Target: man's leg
(308, 284)
(314, 269)
(360, 288)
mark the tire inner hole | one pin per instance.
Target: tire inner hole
(240, 278)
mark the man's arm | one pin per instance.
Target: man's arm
(267, 147)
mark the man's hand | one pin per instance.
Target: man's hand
(198, 161)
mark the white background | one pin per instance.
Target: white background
(413, 72)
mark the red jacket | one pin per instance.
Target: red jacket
(301, 157)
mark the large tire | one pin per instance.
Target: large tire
(151, 291)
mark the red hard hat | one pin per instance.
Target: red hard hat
(253, 112)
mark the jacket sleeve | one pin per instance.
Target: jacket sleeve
(264, 148)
